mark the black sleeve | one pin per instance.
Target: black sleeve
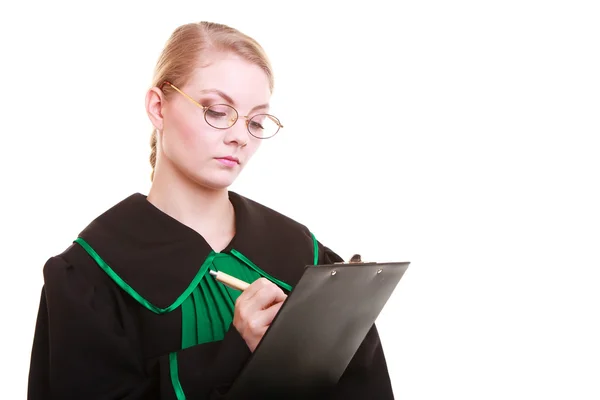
(366, 377)
(82, 350)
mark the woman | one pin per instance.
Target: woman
(129, 311)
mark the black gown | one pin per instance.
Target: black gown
(128, 311)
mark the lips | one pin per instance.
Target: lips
(229, 162)
(230, 159)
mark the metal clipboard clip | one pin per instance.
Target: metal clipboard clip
(355, 259)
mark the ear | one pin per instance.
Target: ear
(154, 104)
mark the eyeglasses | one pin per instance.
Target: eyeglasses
(223, 116)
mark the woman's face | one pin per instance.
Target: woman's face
(206, 155)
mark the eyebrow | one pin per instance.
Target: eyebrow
(228, 99)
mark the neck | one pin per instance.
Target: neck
(208, 211)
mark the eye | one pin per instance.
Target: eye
(220, 116)
(217, 112)
(256, 125)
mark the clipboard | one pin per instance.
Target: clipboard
(317, 331)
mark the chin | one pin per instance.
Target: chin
(211, 178)
(214, 182)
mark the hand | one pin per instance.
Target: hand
(255, 309)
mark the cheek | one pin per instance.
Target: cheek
(183, 130)
(187, 141)
(186, 136)
(188, 131)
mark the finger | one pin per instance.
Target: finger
(248, 309)
(262, 319)
(255, 340)
(266, 295)
(253, 289)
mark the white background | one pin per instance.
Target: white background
(458, 135)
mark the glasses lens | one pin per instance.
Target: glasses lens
(263, 126)
(220, 116)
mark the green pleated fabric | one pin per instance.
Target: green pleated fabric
(208, 312)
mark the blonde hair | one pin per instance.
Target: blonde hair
(190, 46)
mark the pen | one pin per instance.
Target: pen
(229, 280)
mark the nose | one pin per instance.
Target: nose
(237, 132)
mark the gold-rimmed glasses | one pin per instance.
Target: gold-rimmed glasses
(223, 116)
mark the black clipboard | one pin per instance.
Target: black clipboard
(317, 331)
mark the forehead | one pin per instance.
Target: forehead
(246, 83)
